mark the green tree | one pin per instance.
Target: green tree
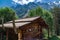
(36, 12)
(56, 14)
(7, 14)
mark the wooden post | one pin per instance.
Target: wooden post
(1, 36)
(19, 35)
(7, 35)
(14, 26)
(3, 23)
(41, 33)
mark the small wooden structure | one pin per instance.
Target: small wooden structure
(27, 28)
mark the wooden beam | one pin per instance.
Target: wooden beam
(20, 21)
(19, 35)
(3, 23)
(7, 35)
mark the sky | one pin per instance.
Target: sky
(22, 2)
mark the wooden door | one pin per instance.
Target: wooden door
(28, 38)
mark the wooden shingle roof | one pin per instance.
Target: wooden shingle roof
(22, 22)
(10, 25)
(26, 19)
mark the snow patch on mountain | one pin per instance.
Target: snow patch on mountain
(57, 3)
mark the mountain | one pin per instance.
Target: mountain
(21, 10)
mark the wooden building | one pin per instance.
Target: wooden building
(27, 28)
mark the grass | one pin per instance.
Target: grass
(54, 38)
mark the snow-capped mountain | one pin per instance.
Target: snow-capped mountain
(23, 2)
(21, 10)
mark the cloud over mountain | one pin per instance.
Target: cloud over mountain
(23, 1)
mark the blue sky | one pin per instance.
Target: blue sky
(5, 2)
(10, 2)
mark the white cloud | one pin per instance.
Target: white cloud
(23, 1)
